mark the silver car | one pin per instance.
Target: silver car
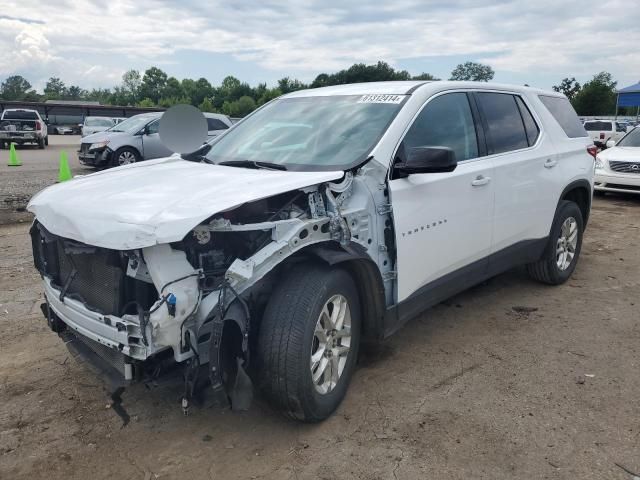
(135, 139)
(93, 125)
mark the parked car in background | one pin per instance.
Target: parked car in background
(93, 125)
(117, 120)
(132, 140)
(61, 130)
(135, 139)
(217, 124)
(601, 131)
(326, 218)
(21, 126)
(618, 167)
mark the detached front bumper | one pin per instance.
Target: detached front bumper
(605, 181)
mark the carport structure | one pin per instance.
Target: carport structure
(629, 97)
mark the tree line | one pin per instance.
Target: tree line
(232, 97)
(236, 98)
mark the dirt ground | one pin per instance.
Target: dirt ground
(511, 379)
(39, 169)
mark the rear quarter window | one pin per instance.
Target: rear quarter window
(565, 115)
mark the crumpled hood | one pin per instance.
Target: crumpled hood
(157, 201)
(102, 136)
(624, 154)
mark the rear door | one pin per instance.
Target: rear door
(525, 162)
(443, 221)
(152, 146)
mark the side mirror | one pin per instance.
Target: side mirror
(611, 143)
(428, 160)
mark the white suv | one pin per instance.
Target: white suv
(603, 131)
(326, 218)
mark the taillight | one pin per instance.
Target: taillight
(38, 125)
(601, 135)
(592, 150)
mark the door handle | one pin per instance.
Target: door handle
(481, 180)
(550, 163)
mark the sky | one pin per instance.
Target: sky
(92, 43)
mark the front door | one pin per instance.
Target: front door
(152, 146)
(443, 221)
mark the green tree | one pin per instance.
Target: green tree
(360, 72)
(239, 108)
(55, 89)
(568, 86)
(197, 90)
(424, 76)
(473, 71)
(131, 83)
(173, 89)
(102, 95)
(15, 87)
(74, 92)
(597, 97)
(206, 106)
(153, 84)
(146, 102)
(268, 95)
(167, 102)
(286, 85)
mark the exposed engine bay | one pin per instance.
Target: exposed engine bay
(198, 301)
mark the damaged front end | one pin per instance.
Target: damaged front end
(193, 305)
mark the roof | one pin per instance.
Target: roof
(407, 87)
(631, 89)
(73, 102)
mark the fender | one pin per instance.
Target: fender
(368, 280)
(581, 183)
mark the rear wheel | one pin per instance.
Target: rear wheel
(563, 248)
(46, 140)
(41, 144)
(124, 156)
(308, 342)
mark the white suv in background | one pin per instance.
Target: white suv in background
(603, 131)
(325, 218)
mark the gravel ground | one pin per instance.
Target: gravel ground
(511, 379)
(39, 169)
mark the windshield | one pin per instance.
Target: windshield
(98, 122)
(631, 139)
(310, 133)
(133, 124)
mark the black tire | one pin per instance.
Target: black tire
(46, 140)
(599, 193)
(2, 145)
(41, 144)
(546, 270)
(124, 150)
(287, 337)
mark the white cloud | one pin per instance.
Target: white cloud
(555, 38)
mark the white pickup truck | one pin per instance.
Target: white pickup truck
(601, 131)
(22, 126)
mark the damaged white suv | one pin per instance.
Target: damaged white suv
(326, 218)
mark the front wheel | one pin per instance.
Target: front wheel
(124, 156)
(308, 342)
(563, 247)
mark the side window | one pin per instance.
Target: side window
(445, 121)
(530, 125)
(216, 124)
(565, 115)
(153, 127)
(506, 129)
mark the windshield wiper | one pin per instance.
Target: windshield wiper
(253, 164)
(198, 155)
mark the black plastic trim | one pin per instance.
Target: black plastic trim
(455, 282)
